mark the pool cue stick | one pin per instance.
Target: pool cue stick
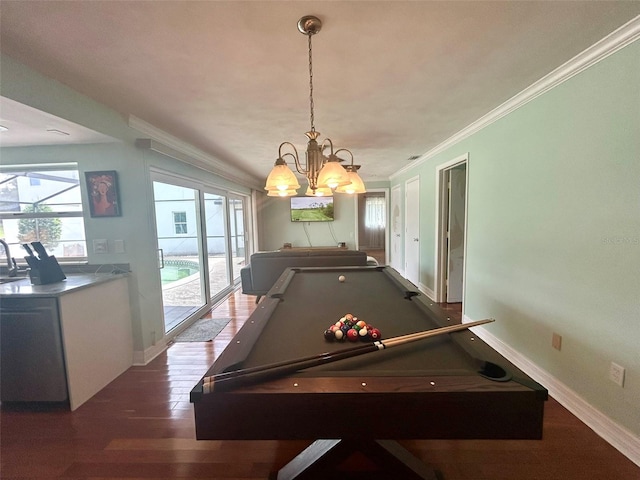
(262, 372)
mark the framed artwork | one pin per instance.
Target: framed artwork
(104, 197)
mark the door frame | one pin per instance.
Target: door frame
(399, 262)
(442, 212)
(406, 223)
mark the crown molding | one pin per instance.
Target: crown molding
(166, 144)
(618, 39)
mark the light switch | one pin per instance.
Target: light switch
(118, 246)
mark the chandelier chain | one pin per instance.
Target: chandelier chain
(313, 128)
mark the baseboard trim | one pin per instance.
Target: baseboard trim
(427, 291)
(623, 440)
(142, 358)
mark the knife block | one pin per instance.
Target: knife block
(46, 270)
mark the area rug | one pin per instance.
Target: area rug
(203, 330)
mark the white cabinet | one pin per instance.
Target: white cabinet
(97, 338)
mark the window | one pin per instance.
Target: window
(375, 214)
(180, 222)
(42, 203)
(375, 219)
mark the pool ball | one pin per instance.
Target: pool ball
(329, 334)
(363, 332)
(341, 278)
(375, 333)
(352, 335)
(339, 334)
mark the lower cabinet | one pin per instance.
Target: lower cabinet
(67, 347)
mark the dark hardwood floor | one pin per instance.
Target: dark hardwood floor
(141, 427)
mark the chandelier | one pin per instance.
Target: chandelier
(324, 173)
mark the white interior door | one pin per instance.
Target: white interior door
(412, 231)
(395, 253)
(455, 232)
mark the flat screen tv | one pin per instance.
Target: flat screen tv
(312, 209)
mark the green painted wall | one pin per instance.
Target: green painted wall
(553, 240)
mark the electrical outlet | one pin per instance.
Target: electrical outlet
(556, 341)
(616, 374)
(100, 246)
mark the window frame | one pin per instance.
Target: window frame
(185, 224)
(39, 171)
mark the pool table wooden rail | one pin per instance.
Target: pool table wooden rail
(348, 407)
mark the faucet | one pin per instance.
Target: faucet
(11, 262)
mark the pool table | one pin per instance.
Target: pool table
(451, 386)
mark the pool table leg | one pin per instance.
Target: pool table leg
(323, 459)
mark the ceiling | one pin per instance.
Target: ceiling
(392, 79)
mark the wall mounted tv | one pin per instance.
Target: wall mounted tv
(312, 209)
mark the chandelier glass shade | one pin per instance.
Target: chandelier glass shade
(319, 192)
(281, 178)
(324, 174)
(355, 185)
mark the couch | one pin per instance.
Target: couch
(266, 267)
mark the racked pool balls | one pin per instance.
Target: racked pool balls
(352, 329)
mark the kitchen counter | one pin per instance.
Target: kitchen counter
(74, 282)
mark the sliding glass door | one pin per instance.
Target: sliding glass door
(180, 258)
(217, 245)
(201, 245)
(237, 233)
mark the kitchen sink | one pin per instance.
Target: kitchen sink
(9, 279)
